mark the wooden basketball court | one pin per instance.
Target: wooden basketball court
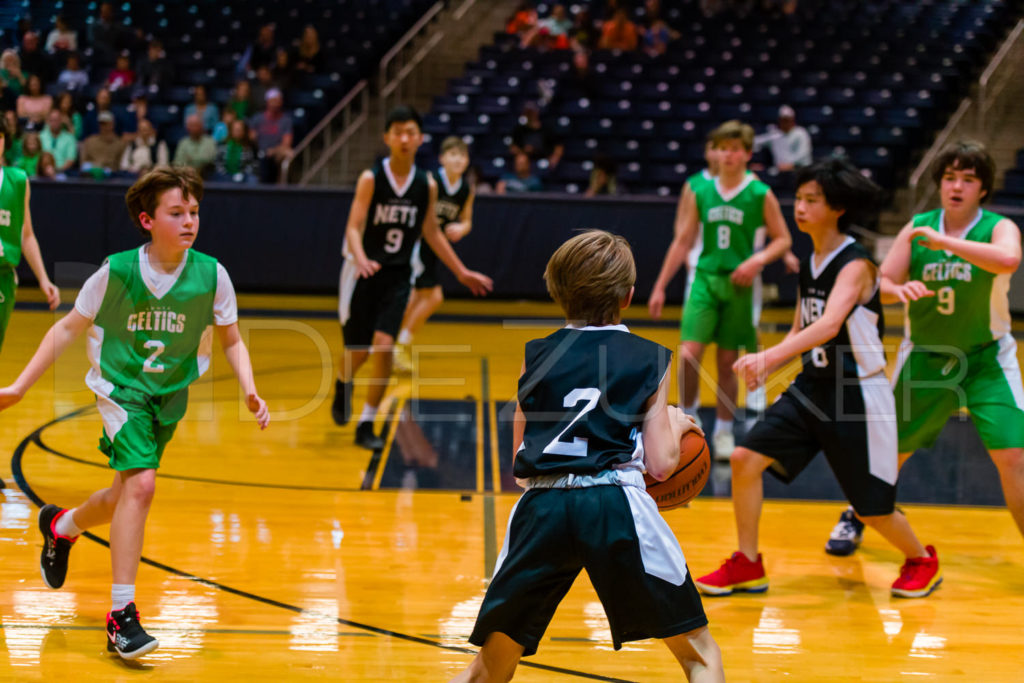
(292, 554)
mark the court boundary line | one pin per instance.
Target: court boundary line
(19, 478)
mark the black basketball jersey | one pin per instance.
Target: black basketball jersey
(395, 219)
(450, 199)
(857, 350)
(583, 396)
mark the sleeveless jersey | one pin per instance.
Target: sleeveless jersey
(12, 214)
(730, 223)
(970, 307)
(155, 345)
(583, 395)
(697, 182)
(395, 219)
(450, 200)
(857, 350)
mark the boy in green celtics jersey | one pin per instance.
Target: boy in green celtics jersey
(951, 268)
(152, 312)
(17, 238)
(732, 212)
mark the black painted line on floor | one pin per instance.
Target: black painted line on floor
(19, 477)
(490, 532)
(171, 629)
(376, 458)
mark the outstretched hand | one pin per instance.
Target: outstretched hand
(752, 369)
(258, 407)
(52, 295)
(912, 291)
(8, 397)
(656, 302)
(929, 238)
(478, 283)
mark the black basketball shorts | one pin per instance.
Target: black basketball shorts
(425, 266)
(368, 305)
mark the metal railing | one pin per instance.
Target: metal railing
(995, 77)
(959, 126)
(397, 64)
(312, 154)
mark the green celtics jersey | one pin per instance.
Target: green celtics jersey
(733, 222)
(970, 306)
(12, 214)
(698, 180)
(156, 345)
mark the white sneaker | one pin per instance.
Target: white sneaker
(757, 400)
(723, 444)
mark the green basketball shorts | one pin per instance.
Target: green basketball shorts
(8, 286)
(137, 426)
(719, 311)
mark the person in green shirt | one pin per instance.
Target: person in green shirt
(31, 150)
(59, 141)
(951, 269)
(18, 237)
(151, 311)
(731, 213)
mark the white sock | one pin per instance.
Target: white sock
(369, 412)
(121, 594)
(405, 337)
(692, 410)
(723, 426)
(66, 526)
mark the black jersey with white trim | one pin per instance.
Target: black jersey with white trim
(451, 199)
(395, 218)
(583, 395)
(856, 351)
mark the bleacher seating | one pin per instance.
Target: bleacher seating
(873, 80)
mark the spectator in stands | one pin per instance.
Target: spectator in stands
(34, 59)
(15, 134)
(284, 74)
(580, 81)
(62, 38)
(69, 114)
(59, 141)
(154, 71)
(134, 113)
(583, 34)
(121, 78)
(31, 150)
(262, 52)
(241, 100)
(145, 151)
(476, 181)
(619, 33)
(264, 84)
(102, 104)
(552, 31)
(222, 130)
(523, 20)
(521, 179)
(236, 158)
(656, 37)
(602, 178)
(101, 153)
(107, 36)
(202, 107)
(11, 73)
(790, 143)
(73, 78)
(534, 138)
(197, 149)
(272, 133)
(309, 58)
(48, 168)
(34, 104)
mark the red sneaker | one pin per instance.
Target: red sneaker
(736, 574)
(919, 576)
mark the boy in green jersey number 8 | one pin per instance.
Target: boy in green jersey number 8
(733, 210)
(152, 311)
(17, 238)
(951, 268)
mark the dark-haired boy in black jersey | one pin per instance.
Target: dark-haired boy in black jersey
(392, 207)
(841, 402)
(591, 416)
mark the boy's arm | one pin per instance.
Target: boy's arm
(456, 231)
(357, 225)
(478, 283)
(30, 248)
(684, 234)
(663, 427)
(779, 243)
(854, 281)
(1001, 255)
(895, 269)
(60, 335)
(238, 359)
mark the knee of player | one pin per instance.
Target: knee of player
(745, 462)
(383, 342)
(140, 486)
(436, 296)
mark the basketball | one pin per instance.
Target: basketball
(689, 478)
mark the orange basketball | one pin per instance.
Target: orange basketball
(688, 479)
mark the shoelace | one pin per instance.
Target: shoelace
(844, 531)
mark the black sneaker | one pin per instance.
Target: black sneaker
(125, 634)
(53, 562)
(341, 409)
(846, 536)
(366, 438)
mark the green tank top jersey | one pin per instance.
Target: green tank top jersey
(730, 222)
(970, 307)
(155, 345)
(12, 215)
(698, 180)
